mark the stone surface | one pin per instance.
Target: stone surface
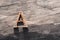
(36, 12)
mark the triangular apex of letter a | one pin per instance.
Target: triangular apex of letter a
(21, 20)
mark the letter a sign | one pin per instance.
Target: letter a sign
(21, 20)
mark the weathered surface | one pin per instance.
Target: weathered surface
(37, 12)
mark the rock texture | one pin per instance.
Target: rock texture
(37, 12)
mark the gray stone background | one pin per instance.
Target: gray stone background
(37, 12)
